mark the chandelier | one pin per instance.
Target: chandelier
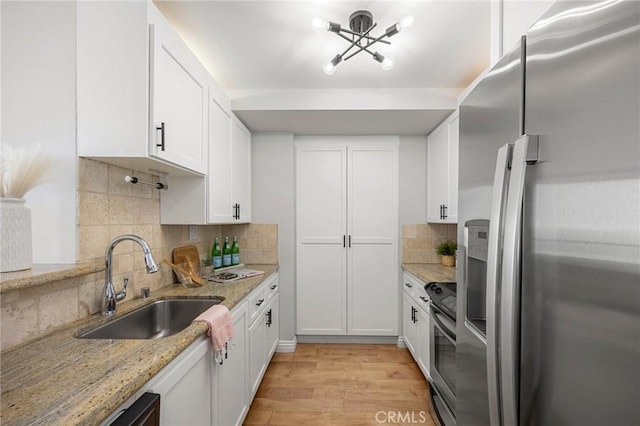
(361, 24)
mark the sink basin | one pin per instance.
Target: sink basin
(157, 319)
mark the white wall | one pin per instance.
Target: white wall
(273, 201)
(38, 105)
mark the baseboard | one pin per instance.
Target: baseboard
(287, 345)
(401, 342)
(382, 340)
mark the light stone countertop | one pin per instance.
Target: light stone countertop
(429, 272)
(42, 274)
(61, 380)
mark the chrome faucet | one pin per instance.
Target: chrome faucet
(110, 296)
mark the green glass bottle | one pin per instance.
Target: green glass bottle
(235, 252)
(226, 253)
(216, 254)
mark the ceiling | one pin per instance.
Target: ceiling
(266, 57)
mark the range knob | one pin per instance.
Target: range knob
(438, 290)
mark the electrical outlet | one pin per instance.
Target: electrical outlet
(193, 232)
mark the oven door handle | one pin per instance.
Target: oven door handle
(443, 323)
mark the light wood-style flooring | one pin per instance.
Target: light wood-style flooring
(341, 384)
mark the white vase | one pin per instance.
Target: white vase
(15, 235)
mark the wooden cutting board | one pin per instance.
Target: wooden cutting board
(187, 255)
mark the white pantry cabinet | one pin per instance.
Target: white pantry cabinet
(347, 216)
(442, 172)
(141, 92)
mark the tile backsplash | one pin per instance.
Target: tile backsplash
(107, 206)
(419, 241)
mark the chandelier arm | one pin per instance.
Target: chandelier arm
(361, 48)
(368, 37)
(355, 42)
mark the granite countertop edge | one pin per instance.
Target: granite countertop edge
(430, 272)
(60, 380)
(39, 275)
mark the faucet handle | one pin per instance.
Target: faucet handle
(122, 294)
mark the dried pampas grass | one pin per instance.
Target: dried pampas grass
(21, 169)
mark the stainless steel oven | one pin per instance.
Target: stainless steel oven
(442, 347)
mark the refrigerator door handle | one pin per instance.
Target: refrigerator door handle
(510, 282)
(496, 228)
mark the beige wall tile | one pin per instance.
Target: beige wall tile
(92, 242)
(89, 297)
(254, 230)
(120, 210)
(117, 184)
(58, 308)
(93, 208)
(146, 211)
(409, 231)
(18, 321)
(93, 176)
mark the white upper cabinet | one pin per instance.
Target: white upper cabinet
(224, 194)
(134, 73)
(179, 101)
(442, 172)
(220, 205)
(241, 172)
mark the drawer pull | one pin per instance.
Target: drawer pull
(273, 287)
(408, 285)
(260, 302)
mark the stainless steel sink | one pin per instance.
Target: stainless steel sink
(157, 319)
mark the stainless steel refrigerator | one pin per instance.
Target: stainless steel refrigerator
(550, 155)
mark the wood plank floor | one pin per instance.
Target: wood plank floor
(338, 384)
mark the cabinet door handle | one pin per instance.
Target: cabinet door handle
(161, 144)
(349, 241)
(269, 318)
(259, 302)
(413, 314)
(238, 216)
(444, 211)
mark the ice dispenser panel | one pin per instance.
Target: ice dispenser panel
(476, 237)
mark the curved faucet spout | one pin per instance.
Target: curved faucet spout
(110, 295)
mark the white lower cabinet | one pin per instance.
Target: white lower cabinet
(409, 324)
(196, 390)
(184, 387)
(229, 379)
(415, 321)
(423, 341)
(263, 333)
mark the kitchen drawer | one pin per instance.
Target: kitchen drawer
(413, 285)
(271, 287)
(257, 302)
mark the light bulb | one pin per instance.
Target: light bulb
(387, 63)
(329, 68)
(319, 24)
(406, 23)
